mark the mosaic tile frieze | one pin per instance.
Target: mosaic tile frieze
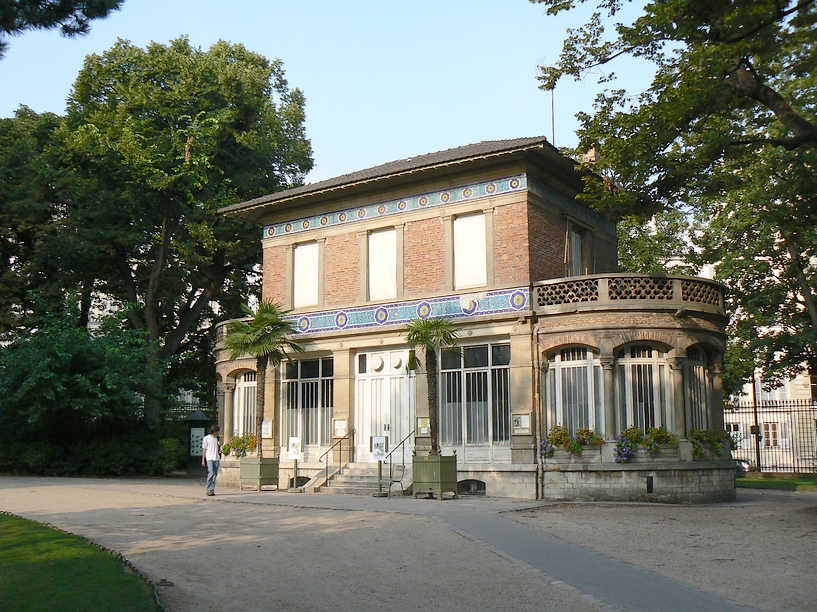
(400, 313)
(571, 206)
(454, 195)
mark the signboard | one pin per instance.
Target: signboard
(295, 448)
(423, 425)
(380, 447)
(520, 423)
(196, 436)
(340, 428)
(266, 429)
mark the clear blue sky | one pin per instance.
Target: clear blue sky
(383, 79)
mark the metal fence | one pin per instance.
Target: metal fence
(775, 436)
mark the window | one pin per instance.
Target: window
(305, 275)
(309, 399)
(470, 252)
(574, 390)
(733, 429)
(642, 388)
(579, 251)
(244, 404)
(476, 399)
(382, 249)
(696, 389)
(770, 438)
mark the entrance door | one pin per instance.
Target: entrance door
(384, 402)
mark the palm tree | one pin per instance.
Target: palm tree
(266, 337)
(431, 335)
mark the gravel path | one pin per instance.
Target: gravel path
(274, 550)
(760, 551)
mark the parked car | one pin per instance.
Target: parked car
(743, 466)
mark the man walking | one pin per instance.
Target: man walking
(211, 457)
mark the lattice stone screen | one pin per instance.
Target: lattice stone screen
(694, 291)
(640, 288)
(568, 292)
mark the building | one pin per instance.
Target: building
(492, 236)
(775, 429)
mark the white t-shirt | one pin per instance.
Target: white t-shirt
(210, 444)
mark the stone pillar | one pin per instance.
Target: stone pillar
(271, 409)
(679, 425)
(344, 394)
(229, 389)
(220, 412)
(716, 397)
(522, 387)
(609, 396)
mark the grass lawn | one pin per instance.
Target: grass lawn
(46, 569)
(784, 483)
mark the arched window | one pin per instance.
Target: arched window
(696, 389)
(643, 388)
(574, 389)
(244, 404)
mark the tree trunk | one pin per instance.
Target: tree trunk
(433, 398)
(260, 387)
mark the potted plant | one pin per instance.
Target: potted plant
(265, 336)
(433, 473)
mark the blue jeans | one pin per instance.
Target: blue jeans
(212, 472)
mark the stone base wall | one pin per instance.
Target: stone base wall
(511, 480)
(679, 482)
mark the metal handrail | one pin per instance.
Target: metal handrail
(348, 436)
(401, 444)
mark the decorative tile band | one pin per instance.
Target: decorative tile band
(383, 315)
(571, 206)
(432, 199)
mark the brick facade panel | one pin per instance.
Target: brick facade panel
(546, 234)
(424, 257)
(274, 286)
(511, 257)
(342, 269)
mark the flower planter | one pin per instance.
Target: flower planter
(434, 474)
(259, 471)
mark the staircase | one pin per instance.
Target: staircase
(361, 479)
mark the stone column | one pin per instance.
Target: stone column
(343, 384)
(271, 408)
(220, 412)
(716, 397)
(679, 426)
(229, 389)
(609, 396)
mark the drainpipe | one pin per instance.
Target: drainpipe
(538, 413)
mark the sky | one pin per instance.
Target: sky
(383, 79)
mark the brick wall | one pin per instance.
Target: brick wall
(547, 245)
(424, 257)
(512, 262)
(275, 280)
(342, 269)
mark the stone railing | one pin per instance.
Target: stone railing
(628, 291)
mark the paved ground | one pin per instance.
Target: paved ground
(279, 550)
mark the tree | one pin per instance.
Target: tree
(726, 134)
(26, 209)
(266, 336)
(73, 17)
(156, 141)
(64, 385)
(430, 336)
